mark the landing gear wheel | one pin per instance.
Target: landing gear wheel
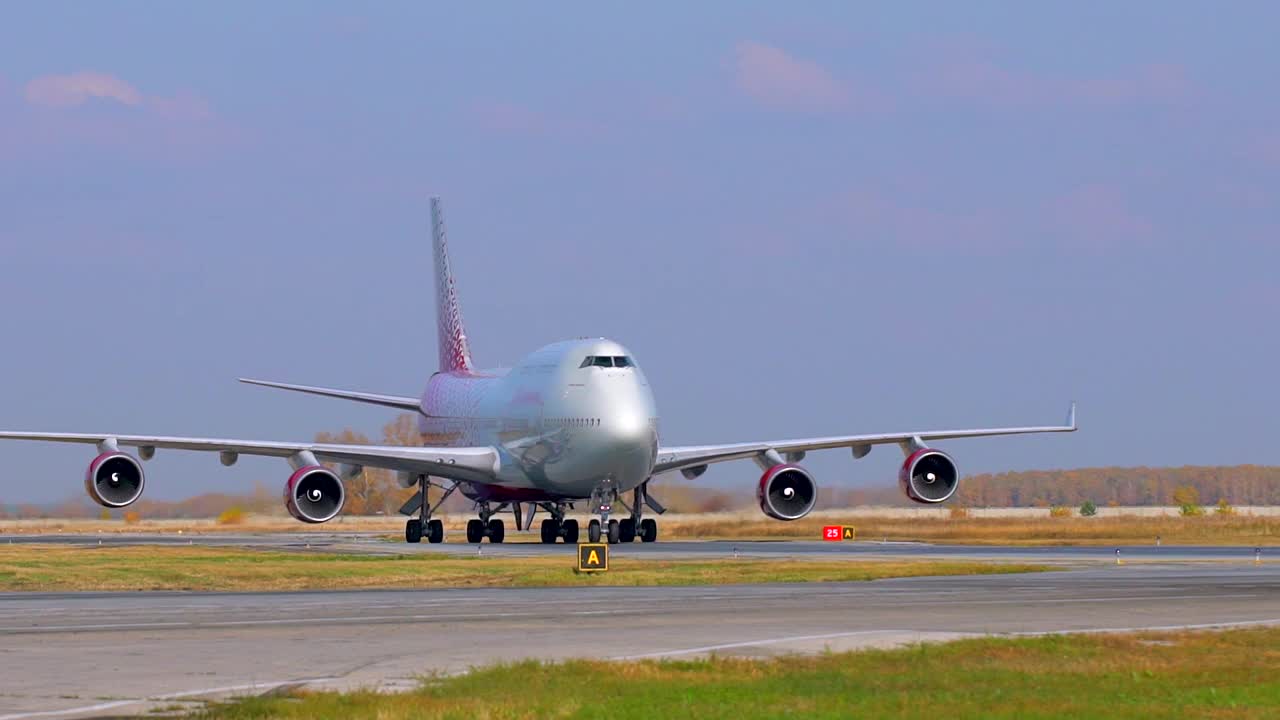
(570, 531)
(550, 531)
(627, 530)
(648, 530)
(475, 530)
(593, 531)
(614, 532)
(496, 531)
(413, 531)
(435, 532)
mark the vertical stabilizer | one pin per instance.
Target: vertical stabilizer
(455, 353)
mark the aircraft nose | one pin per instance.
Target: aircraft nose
(629, 429)
(632, 435)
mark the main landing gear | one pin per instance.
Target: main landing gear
(638, 526)
(486, 526)
(556, 526)
(423, 525)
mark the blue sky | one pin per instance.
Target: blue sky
(803, 219)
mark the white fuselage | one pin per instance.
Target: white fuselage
(564, 425)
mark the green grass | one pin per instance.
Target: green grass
(1231, 674)
(63, 568)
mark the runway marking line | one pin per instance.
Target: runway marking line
(167, 696)
(856, 633)
(33, 629)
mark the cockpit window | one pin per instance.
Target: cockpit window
(621, 361)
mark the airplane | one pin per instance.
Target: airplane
(573, 422)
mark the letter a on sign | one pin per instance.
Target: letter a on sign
(593, 557)
(848, 533)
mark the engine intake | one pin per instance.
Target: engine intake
(787, 492)
(929, 476)
(314, 494)
(114, 480)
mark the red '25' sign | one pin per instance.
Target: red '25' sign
(832, 532)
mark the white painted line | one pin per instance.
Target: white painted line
(1148, 628)
(856, 633)
(264, 686)
(752, 643)
(19, 629)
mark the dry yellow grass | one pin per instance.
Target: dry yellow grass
(1022, 526)
(62, 568)
(1200, 530)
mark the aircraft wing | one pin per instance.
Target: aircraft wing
(681, 458)
(471, 464)
(393, 401)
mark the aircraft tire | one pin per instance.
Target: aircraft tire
(627, 530)
(496, 531)
(614, 532)
(570, 529)
(475, 530)
(593, 531)
(648, 530)
(550, 531)
(413, 531)
(435, 532)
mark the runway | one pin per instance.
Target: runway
(67, 655)
(377, 543)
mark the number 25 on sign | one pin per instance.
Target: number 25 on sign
(836, 533)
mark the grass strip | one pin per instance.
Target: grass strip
(65, 568)
(1229, 674)
(1124, 530)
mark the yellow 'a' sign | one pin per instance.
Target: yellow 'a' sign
(593, 557)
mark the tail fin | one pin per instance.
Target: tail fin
(455, 353)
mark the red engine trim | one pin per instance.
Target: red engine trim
(908, 466)
(762, 491)
(91, 485)
(290, 498)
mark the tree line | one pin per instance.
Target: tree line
(1124, 486)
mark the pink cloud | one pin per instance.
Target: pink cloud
(509, 117)
(62, 91)
(777, 80)
(929, 219)
(58, 110)
(1097, 215)
(1265, 148)
(876, 216)
(982, 81)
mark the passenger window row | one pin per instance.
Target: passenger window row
(573, 422)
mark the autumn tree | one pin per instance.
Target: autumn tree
(375, 490)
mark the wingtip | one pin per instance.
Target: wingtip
(1071, 416)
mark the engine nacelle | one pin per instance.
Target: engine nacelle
(787, 492)
(114, 480)
(929, 476)
(314, 494)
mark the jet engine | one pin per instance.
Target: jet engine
(114, 480)
(787, 492)
(928, 476)
(314, 494)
